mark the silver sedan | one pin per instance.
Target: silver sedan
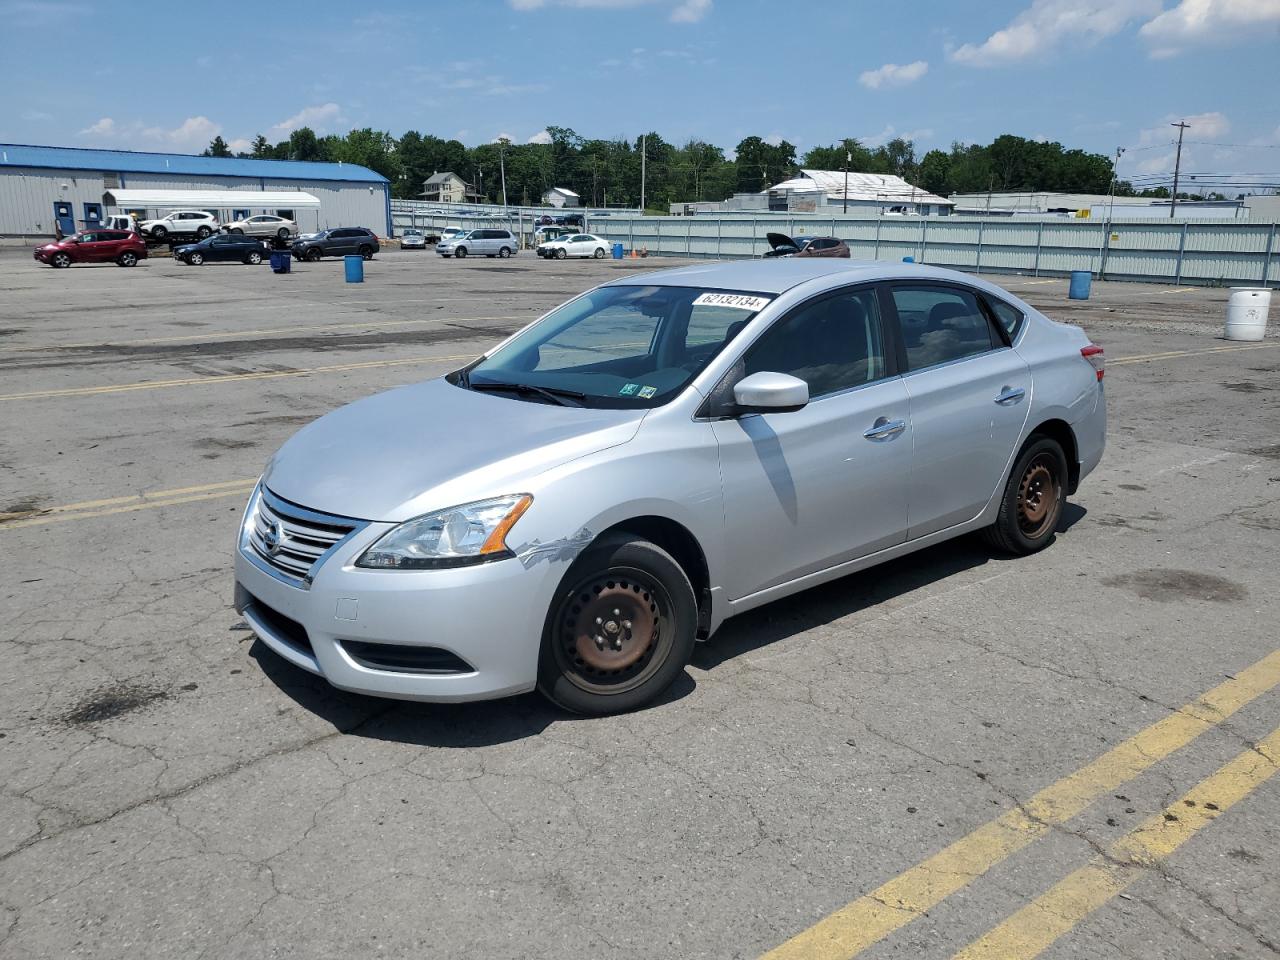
(577, 508)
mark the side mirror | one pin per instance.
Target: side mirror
(767, 392)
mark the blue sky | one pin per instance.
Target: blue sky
(1091, 73)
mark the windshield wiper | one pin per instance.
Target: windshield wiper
(554, 394)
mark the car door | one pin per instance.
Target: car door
(89, 249)
(809, 489)
(970, 393)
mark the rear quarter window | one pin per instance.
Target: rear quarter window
(1007, 315)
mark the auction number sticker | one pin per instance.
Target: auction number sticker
(736, 300)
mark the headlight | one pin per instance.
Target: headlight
(455, 537)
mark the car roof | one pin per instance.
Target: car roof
(778, 276)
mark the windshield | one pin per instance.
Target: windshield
(619, 346)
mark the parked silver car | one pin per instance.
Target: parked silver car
(578, 507)
(480, 243)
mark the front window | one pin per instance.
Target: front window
(617, 346)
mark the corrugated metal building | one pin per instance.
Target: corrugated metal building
(817, 191)
(40, 186)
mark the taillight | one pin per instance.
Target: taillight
(1094, 354)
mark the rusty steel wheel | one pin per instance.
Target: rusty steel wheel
(621, 630)
(610, 627)
(1038, 499)
(1033, 499)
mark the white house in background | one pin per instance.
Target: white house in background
(821, 191)
(561, 197)
(446, 187)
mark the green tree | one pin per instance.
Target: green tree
(217, 148)
(934, 173)
(303, 145)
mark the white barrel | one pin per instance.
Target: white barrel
(1247, 313)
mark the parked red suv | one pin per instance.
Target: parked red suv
(94, 246)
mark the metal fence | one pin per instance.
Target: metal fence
(1178, 252)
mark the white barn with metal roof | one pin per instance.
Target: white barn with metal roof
(815, 190)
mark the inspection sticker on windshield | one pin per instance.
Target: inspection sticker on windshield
(628, 389)
(736, 300)
(647, 392)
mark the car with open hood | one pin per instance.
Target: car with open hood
(781, 245)
(577, 508)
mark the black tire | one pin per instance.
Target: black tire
(283, 233)
(599, 254)
(203, 233)
(562, 253)
(254, 258)
(651, 630)
(196, 258)
(159, 233)
(60, 260)
(460, 253)
(127, 259)
(1033, 499)
(366, 252)
(312, 255)
(504, 252)
(237, 231)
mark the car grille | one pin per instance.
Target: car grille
(292, 539)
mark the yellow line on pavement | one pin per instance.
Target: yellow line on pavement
(869, 919)
(228, 334)
(147, 504)
(116, 501)
(1176, 354)
(1030, 931)
(225, 378)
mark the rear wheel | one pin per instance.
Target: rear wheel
(620, 629)
(127, 259)
(1033, 500)
(159, 232)
(203, 232)
(366, 252)
(195, 259)
(61, 260)
(460, 253)
(312, 255)
(283, 233)
(254, 258)
(504, 252)
(599, 254)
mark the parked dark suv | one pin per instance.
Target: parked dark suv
(337, 242)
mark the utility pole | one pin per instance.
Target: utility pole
(502, 165)
(848, 159)
(1182, 126)
(643, 153)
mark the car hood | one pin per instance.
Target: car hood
(426, 446)
(777, 240)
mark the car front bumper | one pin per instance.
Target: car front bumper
(490, 616)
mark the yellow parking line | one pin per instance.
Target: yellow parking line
(869, 919)
(228, 334)
(1046, 919)
(225, 378)
(136, 498)
(1037, 283)
(1175, 354)
(40, 519)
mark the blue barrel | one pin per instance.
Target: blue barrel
(617, 251)
(908, 259)
(281, 260)
(355, 268)
(1081, 281)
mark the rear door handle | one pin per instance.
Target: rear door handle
(884, 429)
(1010, 394)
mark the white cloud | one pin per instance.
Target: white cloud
(106, 127)
(1053, 24)
(192, 132)
(41, 13)
(36, 116)
(1191, 22)
(492, 86)
(541, 136)
(893, 75)
(318, 118)
(240, 145)
(774, 139)
(890, 132)
(681, 11)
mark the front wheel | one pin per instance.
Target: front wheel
(254, 258)
(460, 253)
(313, 255)
(61, 261)
(599, 254)
(620, 630)
(195, 259)
(1033, 500)
(128, 259)
(237, 231)
(561, 254)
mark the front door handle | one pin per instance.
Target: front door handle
(884, 429)
(1010, 395)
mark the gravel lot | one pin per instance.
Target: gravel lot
(168, 788)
